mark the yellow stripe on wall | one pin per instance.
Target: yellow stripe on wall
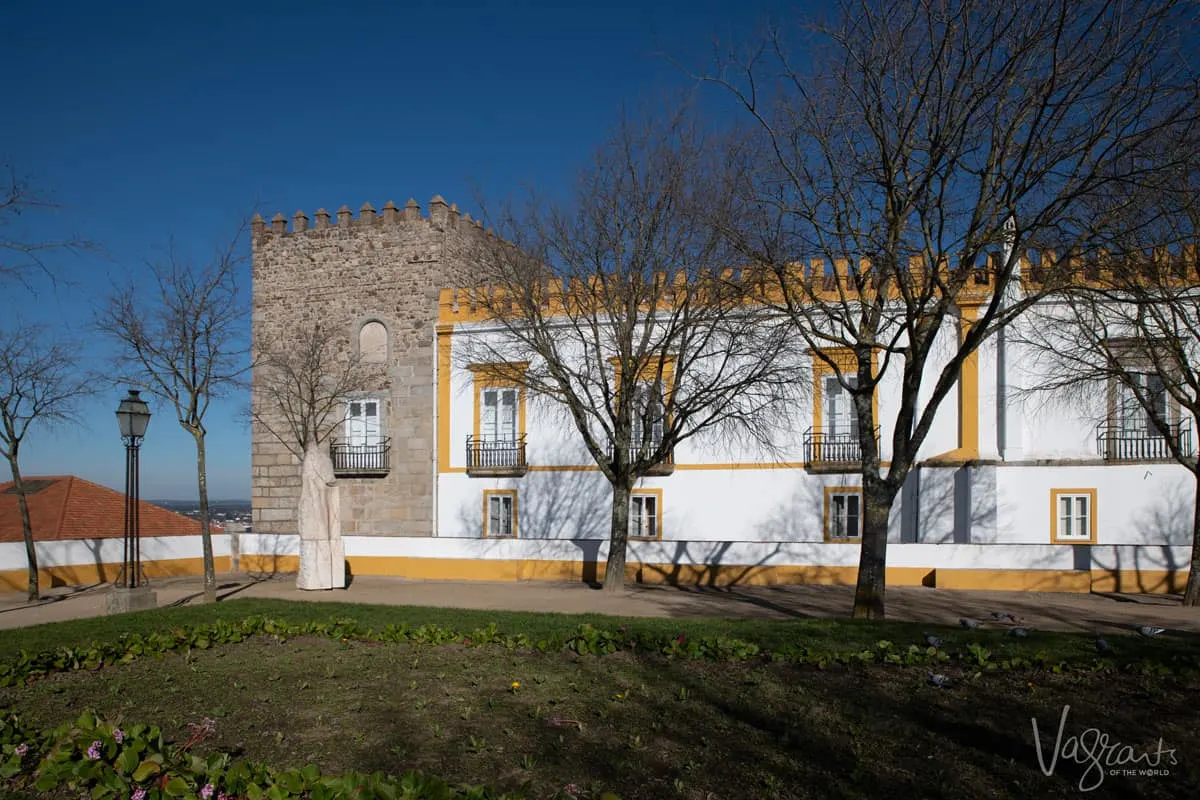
(85, 574)
(564, 571)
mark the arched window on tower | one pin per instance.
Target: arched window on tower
(373, 342)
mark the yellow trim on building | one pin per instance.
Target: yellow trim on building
(84, 574)
(1146, 581)
(1014, 580)
(694, 467)
(968, 390)
(267, 564)
(565, 571)
(487, 495)
(1055, 494)
(829, 492)
(444, 364)
(967, 448)
(657, 494)
(649, 370)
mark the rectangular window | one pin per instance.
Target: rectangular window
(645, 508)
(648, 413)
(840, 420)
(1073, 515)
(843, 514)
(500, 513)
(363, 429)
(499, 414)
(1132, 416)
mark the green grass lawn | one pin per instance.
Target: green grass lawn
(821, 635)
(639, 724)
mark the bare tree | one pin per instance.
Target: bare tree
(20, 255)
(615, 307)
(39, 381)
(1123, 338)
(185, 342)
(920, 149)
(302, 380)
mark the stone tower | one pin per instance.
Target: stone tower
(381, 271)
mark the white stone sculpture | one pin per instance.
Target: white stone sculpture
(322, 554)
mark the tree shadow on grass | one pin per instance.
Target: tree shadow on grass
(742, 730)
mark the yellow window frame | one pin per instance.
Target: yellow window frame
(657, 494)
(488, 494)
(1055, 495)
(499, 376)
(830, 491)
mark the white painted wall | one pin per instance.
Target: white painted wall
(1136, 504)
(989, 515)
(697, 553)
(751, 553)
(82, 552)
(269, 544)
(552, 439)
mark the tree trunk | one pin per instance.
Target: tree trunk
(1191, 595)
(614, 567)
(210, 572)
(26, 527)
(878, 497)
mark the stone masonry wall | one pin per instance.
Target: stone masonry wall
(343, 271)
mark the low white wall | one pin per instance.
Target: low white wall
(82, 552)
(992, 555)
(269, 544)
(930, 556)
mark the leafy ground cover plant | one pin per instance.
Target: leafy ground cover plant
(645, 712)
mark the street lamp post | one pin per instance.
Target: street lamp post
(130, 592)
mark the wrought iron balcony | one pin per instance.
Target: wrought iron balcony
(496, 458)
(360, 459)
(664, 467)
(832, 451)
(1115, 443)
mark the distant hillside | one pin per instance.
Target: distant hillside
(230, 507)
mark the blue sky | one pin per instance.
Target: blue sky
(155, 121)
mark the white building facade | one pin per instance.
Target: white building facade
(1013, 488)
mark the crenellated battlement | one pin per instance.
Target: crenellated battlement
(441, 216)
(833, 280)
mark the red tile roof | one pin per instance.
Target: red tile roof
(67, 507)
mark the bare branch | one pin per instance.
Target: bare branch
(1128, 331)
(21, 256)
(185, 342)
(877, 180)
(39, 381)
(616, 308)
(302, 380)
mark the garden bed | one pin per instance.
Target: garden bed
(643, 714)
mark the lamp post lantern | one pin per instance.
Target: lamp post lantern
(133, 416)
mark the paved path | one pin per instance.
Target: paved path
(1043, 610)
